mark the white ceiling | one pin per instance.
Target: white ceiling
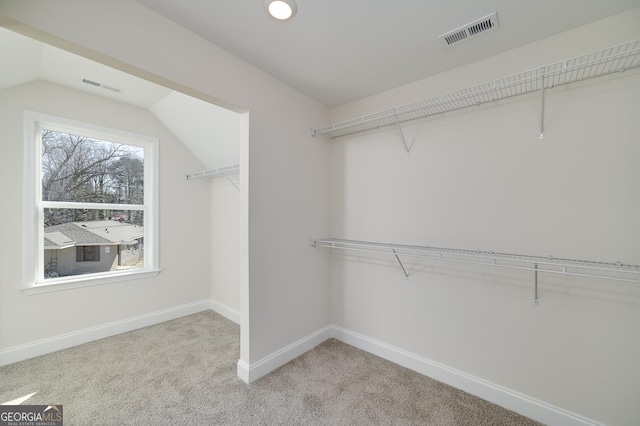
(210, 132)
(338, 51)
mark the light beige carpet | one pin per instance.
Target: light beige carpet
(183, 372)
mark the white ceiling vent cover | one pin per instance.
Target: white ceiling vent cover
(103, 86)
(479, 26)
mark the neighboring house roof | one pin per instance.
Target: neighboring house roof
(93, 233)
(57, 239)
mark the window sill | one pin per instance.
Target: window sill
(67, 283)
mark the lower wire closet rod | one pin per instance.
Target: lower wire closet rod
(538, 264)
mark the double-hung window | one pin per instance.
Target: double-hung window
(90, 204)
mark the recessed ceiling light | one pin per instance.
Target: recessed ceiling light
(280, 9)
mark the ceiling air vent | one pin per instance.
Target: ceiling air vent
(103, 86)
(113, 89)
(472, 29)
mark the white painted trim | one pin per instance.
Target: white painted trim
(522, 404)
(33, 264)
(252, 372)
(79, 281)
(243, 371)
(226, 311)
(67, 340)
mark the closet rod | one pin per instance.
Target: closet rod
(537, 264)
(618, 58)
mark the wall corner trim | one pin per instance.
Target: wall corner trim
(225, 310)
(243, 371)
(68, 340)
(252, 372)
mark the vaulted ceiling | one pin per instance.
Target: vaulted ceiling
(210, 132)
(335, 51)
(338, 51)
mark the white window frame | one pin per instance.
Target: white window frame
(34, 206)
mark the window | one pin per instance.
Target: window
(90, 203)
(87, 254)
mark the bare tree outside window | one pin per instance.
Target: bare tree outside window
(89, 177)
(81, 169)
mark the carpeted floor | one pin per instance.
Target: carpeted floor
(183, 372)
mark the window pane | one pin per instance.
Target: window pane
(81, 169)
(89, 253)
(88, 241)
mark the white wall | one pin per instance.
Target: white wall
(216, 143)
(285, 294)
(481, 179)
(225, 243)
(184, 279)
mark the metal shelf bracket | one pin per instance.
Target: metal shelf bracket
(232, 183)
(401, 265)
(404, 141)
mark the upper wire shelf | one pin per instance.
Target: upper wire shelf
(214, 173)
(538, 264)
(610, 60)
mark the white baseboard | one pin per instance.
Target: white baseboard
(226, 311)
(250, 373)
(243, 371)
(522, 404)
(64, 341)
(504, 397)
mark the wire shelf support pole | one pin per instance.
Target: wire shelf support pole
(541, 106)
(535, 284)
(404, 141)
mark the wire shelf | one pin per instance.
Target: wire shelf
(607, 61)
(214, 173)
(538, 264)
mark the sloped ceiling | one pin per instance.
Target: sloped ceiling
(338, 51)
(210, 132)
(335, 51)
